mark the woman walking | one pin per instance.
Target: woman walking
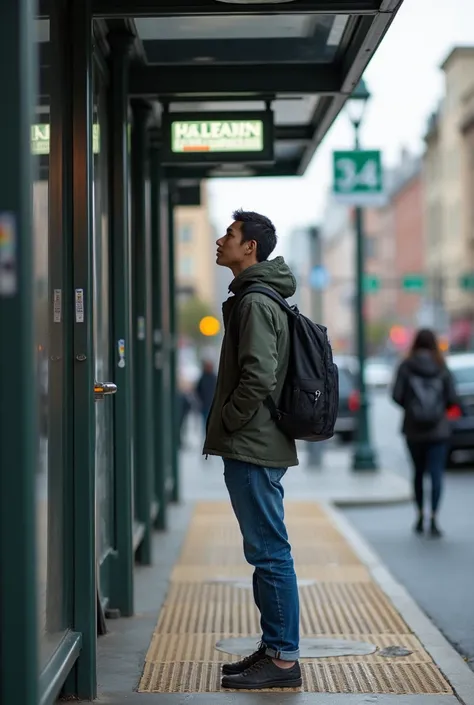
(425, 390)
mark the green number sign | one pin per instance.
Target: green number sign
(413, 283)
(358, 177)
(466, 282)
(371, 284)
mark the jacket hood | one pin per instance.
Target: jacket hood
(274, 273)
(423, 364)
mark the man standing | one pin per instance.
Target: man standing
(253, 365)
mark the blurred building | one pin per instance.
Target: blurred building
(338, 256)
(195, 250)
(298, 256)
(407, 217)
(379, 259)
(448, 167)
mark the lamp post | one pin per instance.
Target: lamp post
(364, 455)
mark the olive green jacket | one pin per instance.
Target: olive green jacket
(253, 364)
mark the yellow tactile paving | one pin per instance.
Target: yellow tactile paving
(210, 599)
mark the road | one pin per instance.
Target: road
(439, 574)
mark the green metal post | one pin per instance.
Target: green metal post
(18, 609)
(160, 407)
(315, 450)
(122, 583)
(173, 352)
(83, 680)
(61, 401)
(143, 392)
(165, 319)
(364, 455)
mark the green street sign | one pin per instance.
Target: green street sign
(358, 177)
(413, 283)
(466, 282)
(371, 284)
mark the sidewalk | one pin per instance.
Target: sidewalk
(351, 609)
(334, 481)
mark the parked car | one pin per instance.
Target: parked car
(378, 373)
(462, 416)
(346, 422)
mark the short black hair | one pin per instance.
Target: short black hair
(259, 228)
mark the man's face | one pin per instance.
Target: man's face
(232, 251)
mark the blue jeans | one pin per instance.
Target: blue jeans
(428, 457)
(256, 495)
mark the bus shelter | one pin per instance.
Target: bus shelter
(112, 113)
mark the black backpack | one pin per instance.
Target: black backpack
(309, 402)
(425, 404)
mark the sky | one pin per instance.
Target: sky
(406, 83)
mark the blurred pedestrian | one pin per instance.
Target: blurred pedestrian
(424, 388)
(205, 389)
(184, 407)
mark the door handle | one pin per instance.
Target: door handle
(103, 389)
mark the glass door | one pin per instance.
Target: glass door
(102, 327)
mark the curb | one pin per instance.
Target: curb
(372, 501)
(446, 658)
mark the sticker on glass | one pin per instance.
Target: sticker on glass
(57, 305)
(8, 255)
(121, 352)
(79, 305)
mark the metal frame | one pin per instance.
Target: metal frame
(173, 349)
(18, 607)
(157, 8)
(232, 79)
(161, 407)
(61, 414)
(142, 332)
(83, 679)
(283, 169)
(121, 596)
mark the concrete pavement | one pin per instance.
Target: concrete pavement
(122, 652)
(333, 481)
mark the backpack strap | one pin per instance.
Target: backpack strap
(272, 294)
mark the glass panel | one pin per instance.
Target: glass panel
(327, 29)
(102, 329)
(52, 613)
(297, 110)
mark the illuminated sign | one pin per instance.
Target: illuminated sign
(218, 137)
(40, 137)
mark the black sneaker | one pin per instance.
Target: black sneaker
(264, 674)
(232, 669)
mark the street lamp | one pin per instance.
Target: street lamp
(364, 455)
(355, 106)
